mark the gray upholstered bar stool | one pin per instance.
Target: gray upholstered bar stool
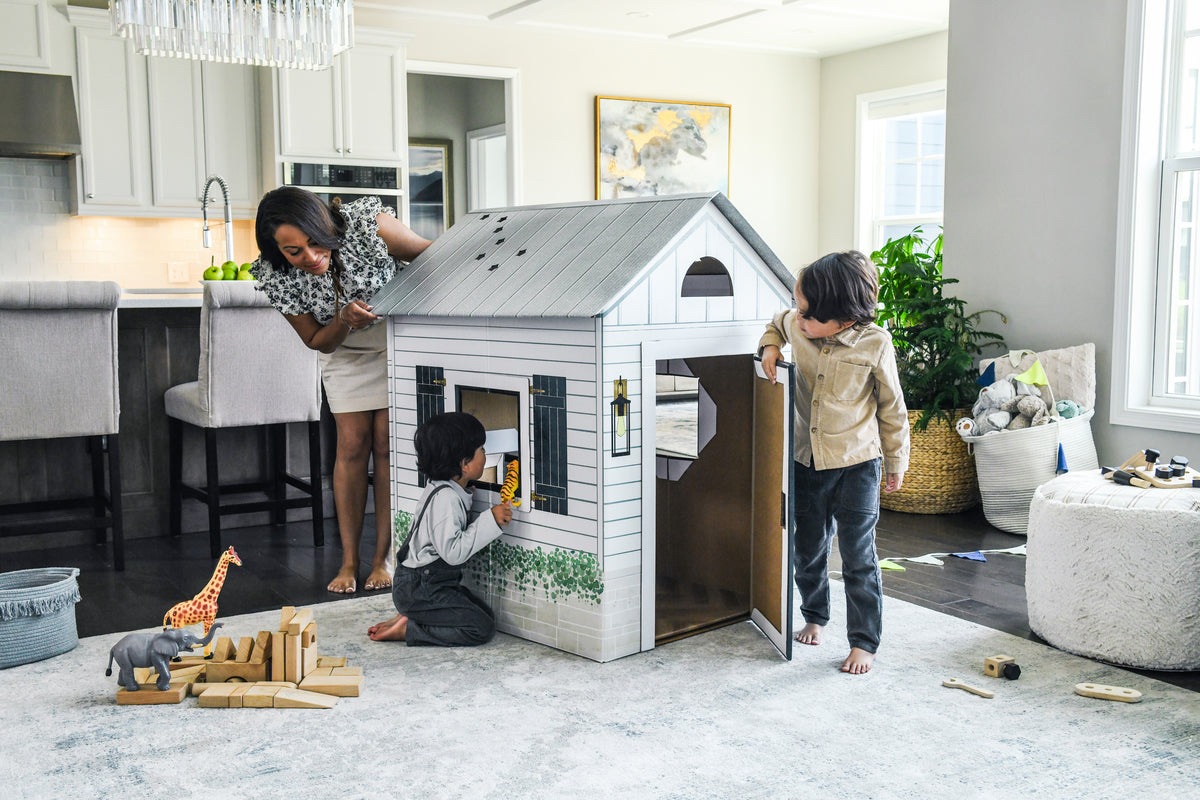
(58, 359)
(254, 371)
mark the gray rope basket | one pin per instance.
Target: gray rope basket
(37, 614)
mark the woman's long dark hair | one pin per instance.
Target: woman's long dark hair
(323, 224)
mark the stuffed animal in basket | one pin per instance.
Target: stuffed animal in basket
(1027, 411)
(987, 414)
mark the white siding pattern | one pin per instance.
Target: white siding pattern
(492, 347)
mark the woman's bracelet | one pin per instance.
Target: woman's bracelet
(342, 316)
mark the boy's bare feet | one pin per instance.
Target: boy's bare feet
(393, 630)
(379, 578)
(345, 582)
(810, 633)
(858, 662)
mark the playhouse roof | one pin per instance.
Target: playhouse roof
(559, 260)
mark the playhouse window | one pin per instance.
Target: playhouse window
(500, 413)
(707, 277)
(677, 416)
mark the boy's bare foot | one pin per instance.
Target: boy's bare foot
(345, 582)
(393, 630)
(379, 578)
(858, 662)
(810, 633)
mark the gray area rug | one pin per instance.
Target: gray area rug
(718, 715)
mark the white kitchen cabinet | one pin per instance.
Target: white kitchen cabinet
(113, 172)
(24, 35)
(203, 121)
(353, 112)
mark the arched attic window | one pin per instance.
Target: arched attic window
(707, 277)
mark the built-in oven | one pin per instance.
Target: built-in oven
(348, 182)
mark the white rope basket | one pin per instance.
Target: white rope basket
(1012, 464)
(37, 614)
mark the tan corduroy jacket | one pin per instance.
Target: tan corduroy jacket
(849, 408)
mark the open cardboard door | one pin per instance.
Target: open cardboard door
(772, 521)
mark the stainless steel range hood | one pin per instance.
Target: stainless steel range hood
(39, 119)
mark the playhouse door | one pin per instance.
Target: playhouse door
(771, 537)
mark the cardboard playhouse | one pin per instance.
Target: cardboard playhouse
(609, 348)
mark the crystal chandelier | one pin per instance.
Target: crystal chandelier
(299, 34)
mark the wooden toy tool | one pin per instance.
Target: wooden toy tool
(955, 683)
(1108, 692)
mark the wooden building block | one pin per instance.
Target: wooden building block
(331, 661)
(308, 652)
(291, 658)
(277, 657)
(245, 646)
(195, 671)
(298, 698)
(217, 696)
(994, 665)
(262, 646)
(346, 671)
(152, 696)
(308, 636)
(260, 696)
(142, 674)
(223, 649)
(299, 621)
(285, 616)
(239, 691)
(188, 661)
(227, 670)
(337, 685)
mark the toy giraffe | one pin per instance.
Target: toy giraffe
(203, 607)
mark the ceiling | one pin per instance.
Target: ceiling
(815, 28)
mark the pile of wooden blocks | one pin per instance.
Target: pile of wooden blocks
(275, 669)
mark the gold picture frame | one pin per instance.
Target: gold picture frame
(660, 147)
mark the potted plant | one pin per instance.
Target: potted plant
(937, 345)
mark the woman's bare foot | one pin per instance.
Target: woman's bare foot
(393, 630)
(858, 662)
(345, 582)
(379, 578)
(810, 633)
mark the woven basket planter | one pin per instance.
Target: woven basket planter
(37, 614)
(941, 471)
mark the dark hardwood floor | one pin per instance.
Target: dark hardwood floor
(281, 567)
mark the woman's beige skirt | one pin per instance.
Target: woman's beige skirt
(355, 375)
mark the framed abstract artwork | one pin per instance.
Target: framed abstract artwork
(430, 206)
(660, 147)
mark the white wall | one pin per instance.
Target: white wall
(1033, 134)
(843, 79)
(774, 97)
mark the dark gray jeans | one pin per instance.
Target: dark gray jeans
(440, 610)
(844, 501)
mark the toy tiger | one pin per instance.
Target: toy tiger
(511, 479)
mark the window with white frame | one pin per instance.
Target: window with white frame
(1156, 346)
(901, 163)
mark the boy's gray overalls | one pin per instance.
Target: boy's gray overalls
(440, 610)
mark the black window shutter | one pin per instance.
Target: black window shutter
(431, 398)
(550, 443)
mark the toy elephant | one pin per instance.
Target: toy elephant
(152, 649)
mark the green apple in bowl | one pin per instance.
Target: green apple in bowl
(213, 273)
(244, 273)
(229, 270)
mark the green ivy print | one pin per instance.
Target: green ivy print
(558, 572)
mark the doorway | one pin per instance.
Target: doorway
(450, 102)
(721, 499)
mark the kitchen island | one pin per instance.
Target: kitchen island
(158, 338)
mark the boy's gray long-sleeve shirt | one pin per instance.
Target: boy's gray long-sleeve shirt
(447, 530)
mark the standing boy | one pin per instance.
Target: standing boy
(851, 423)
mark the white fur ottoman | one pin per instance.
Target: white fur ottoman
(1113, 572)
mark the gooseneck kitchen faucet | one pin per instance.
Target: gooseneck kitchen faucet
(228, 215)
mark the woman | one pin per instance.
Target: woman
(320, 265)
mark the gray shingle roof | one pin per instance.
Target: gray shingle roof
(559, 260)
